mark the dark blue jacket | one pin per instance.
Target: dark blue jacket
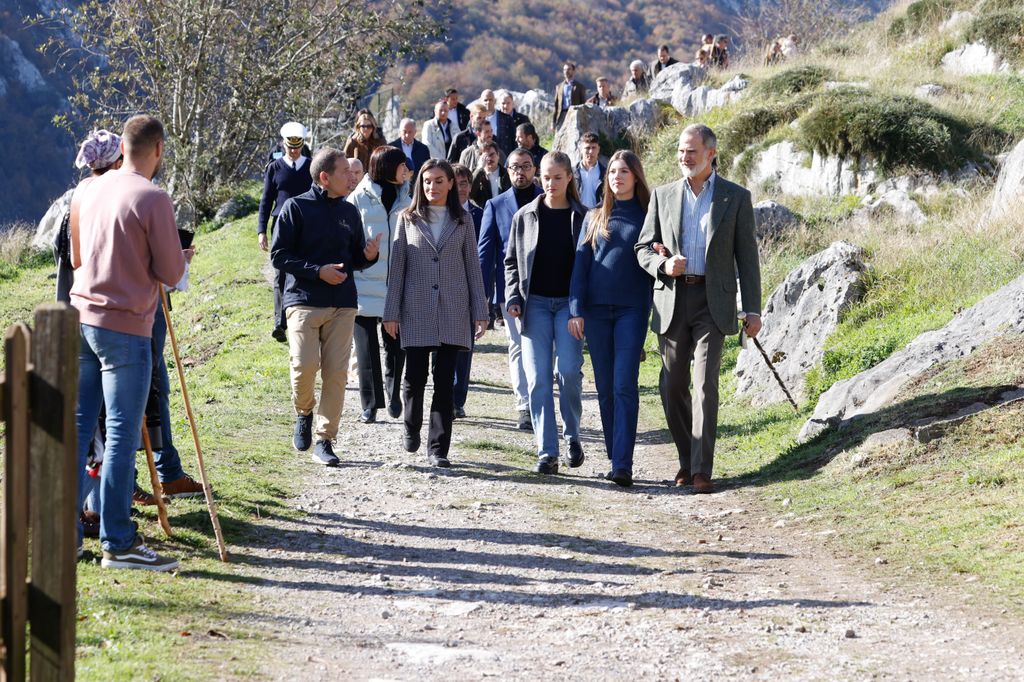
(493, 242)
(313, 231)
(478, 218)
(281, 182)
(609, 274)
(420, 154)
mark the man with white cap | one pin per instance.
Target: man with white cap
(285, 177)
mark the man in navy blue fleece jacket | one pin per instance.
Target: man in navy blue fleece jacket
(318, 244)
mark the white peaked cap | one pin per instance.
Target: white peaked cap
(293, 129)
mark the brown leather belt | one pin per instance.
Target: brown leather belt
(693, 279)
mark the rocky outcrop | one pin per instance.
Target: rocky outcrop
(999, 314)
(974, 59)
(1009, 192)
(50, 223)
(235, 208)
(20, 69)
(690, 100)
(538, 105)
(793, 171)
(772, 218)
(798, 318)
(609, 122)
(669, 79)
(896, 204)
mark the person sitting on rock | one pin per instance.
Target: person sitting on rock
(720, 53)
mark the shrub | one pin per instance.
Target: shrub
(1003, 31)
(923, 14)
(750, 125)
(16, 252)
(793, 81)
(897, 132)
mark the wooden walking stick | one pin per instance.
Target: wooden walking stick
(207, 491)
(768, 361)
(158, 490)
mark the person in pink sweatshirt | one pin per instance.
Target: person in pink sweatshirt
(126, 244)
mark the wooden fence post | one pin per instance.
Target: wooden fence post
(14, 561)
(54, 492)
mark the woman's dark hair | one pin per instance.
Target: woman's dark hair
(600, 215)
(384, 163)
(419, 197)
(562, 159)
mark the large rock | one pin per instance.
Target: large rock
(235, 208)
(1009, 192)
(678, 75)
(610, 122)
(796, 172)
(689, 100)
(772, 218)
(999, 314)
(538, 105)
(799, 316)
(48, 226)
(895, 203)
(974, 59)
(644, 115)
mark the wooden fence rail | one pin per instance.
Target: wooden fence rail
(40, 497)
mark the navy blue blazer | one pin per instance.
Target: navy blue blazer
(281, 182)
(493, 242)
(420, 154)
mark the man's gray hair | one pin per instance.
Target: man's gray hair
(707, 135)
(637, 64)
(401, 124)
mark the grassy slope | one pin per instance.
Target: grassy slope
(132, 624)
(939, 510)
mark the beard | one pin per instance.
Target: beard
(695, 171)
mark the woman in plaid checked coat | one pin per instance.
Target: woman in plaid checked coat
(436, 298)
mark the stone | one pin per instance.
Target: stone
(974, 59)
(611, 122)
(644, 116)
(999, 314)
(794, 171)
(668, 79)
(235, 208)
(895, 203)
(800, 315)
(690, 100)
(772, 218)
(1009, 192)
(887, 438)
(955, 22)
(538, 105)
(436, 654)
(50, 223)
(929, 90)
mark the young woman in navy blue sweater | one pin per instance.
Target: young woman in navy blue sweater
(610, 298)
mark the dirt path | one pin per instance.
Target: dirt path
(402, 572)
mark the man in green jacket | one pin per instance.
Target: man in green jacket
(698, 235)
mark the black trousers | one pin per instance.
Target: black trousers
(417, 363)
(372, 385)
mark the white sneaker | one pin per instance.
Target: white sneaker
(138, 556)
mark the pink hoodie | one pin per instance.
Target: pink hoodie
(129, 243)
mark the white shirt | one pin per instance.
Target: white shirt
(590, 181)
(297, 164)
(493, 118)
(407, 148)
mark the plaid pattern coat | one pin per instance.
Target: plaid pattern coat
(435, 291)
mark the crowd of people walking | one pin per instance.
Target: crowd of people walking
(415, 247)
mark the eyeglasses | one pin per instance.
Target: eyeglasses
(520, 167)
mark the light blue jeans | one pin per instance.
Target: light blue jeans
(115, 370)
(545, 326)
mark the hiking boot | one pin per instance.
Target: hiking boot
(576, 455)
(323, 453)
(186, 486)
(525, 423)
(141, 498)
(140, 557)
(303, 437)
(546, 465)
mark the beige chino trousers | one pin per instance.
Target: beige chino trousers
(320, 339)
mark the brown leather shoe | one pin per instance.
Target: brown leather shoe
(682, 478)
(185, 486)
(141, 498)
(702, 485)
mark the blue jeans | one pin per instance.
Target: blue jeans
(546, 326)
(463, 366)
(167, 459)
(615, 337)
(114, 369)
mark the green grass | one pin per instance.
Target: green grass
(132, 623)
